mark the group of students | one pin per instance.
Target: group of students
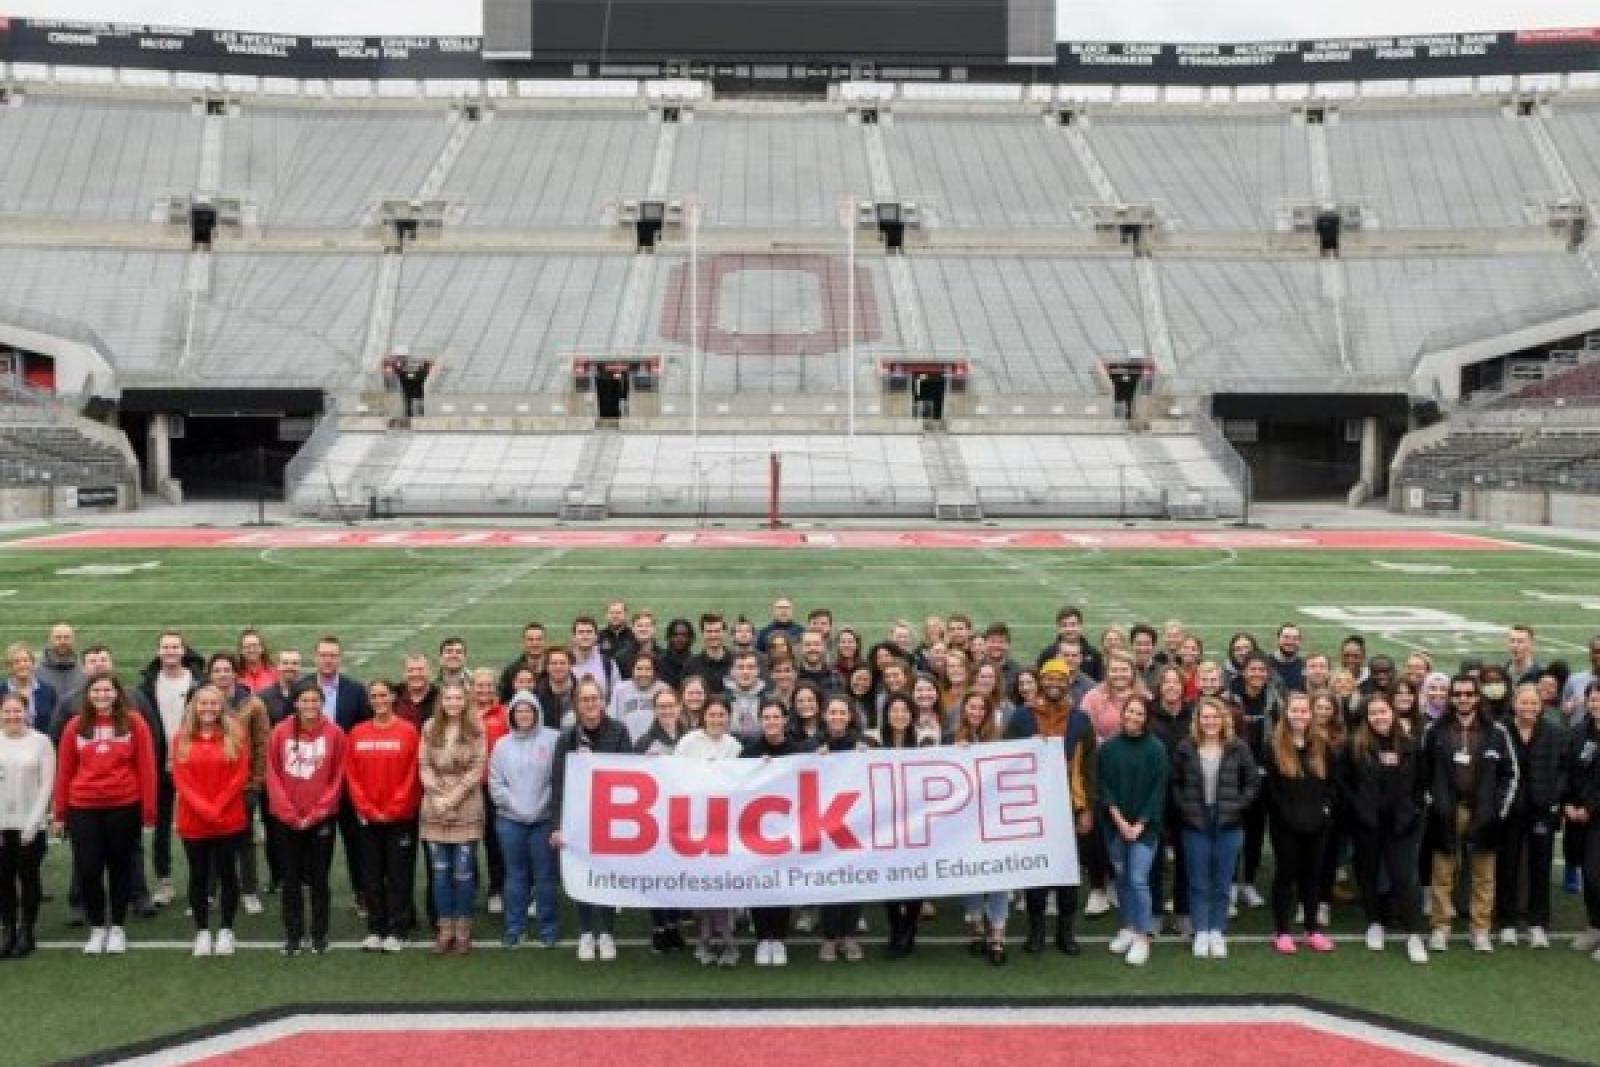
(1178, 766)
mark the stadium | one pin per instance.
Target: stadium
(893, 314)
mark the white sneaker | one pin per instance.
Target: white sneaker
(780, 954)
(202, 944)
(704, 954)
(763, 953)
(1123, 941)
(164, 893)
(608, 948)
(497, 906)
(252, 904)
(1202, 946)
(225, 943)
(392, 944)
(1439, 940)
(116, 941)
(96, 945)
(372, 943)
(1219, 946)
(1587, 941)
(586, 948)
(1324, 916)
(1253, 897)
(1537, 938)
(1414, 950)
(1481, 942)
(1375, 937)
(1097, 905)
(1138, 953)
(1508, 937)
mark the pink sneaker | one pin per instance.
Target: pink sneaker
(1284, 945)
(1319, 942)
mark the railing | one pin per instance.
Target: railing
(1532, 415)
(311, 452)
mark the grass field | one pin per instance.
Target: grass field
(385, 602)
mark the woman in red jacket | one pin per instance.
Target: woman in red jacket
(305, 778)
(381, 775)
(210, 769)
(105, 792)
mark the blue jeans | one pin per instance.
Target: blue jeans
(991, 906)
(1211, 854)
(526, 850)
(1132, 862)
(453, 875)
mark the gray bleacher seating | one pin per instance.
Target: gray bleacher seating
(535, 170)
(306, 167)
(1439, 167)
(1576, 130)
(57, 455)
(92, 160)
(1206, 172)
(1232, 318)
(755, 170)
(988, 171)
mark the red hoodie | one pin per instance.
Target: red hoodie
(107, 770)
(305, 772)
(210, 788)
(495, 726)
(381, 771)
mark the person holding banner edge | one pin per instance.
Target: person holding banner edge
(591, 731)
(1053, 716)
(985, 912)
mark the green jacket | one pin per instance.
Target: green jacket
(1133, 779)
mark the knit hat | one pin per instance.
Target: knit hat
(1055, 666)
(522, 696)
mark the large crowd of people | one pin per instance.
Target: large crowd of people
(1436, 792)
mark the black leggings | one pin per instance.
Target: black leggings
(104, 844)
(839, 921)
(20, 885)
(214, 860)
(1523, 847)
(771, 924)
(1381, 849)
(903, 916)
(1037, 899)
(1296, 875)
(1255, 835)
(1590, 851)
(389, 862)
(307, 857)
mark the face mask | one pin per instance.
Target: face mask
(1494, 691)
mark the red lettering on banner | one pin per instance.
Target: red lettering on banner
(817, 822)
(1014, 814)
(750, 834)
(622, 797)
(714, 842)
(884, 788)
(937, 790)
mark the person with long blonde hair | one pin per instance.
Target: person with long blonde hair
(1299, 792)
(210, 757)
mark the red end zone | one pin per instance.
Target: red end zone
(1080, 540)
(1113, 1036)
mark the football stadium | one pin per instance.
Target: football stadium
(510, 543)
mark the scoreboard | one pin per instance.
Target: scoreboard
(617, 31)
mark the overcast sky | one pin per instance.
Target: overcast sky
(1148, 20)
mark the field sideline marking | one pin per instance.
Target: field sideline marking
(1362, 1028)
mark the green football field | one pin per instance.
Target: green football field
(386, 601)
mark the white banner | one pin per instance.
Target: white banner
(642, 831)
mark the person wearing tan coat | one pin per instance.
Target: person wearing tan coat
(451, 763)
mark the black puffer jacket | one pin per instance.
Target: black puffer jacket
(609, 736)
(1302, 804)
(1542, 759)
(1238, 784)
(1583, 768)
(1382, 787)
(1497, 780)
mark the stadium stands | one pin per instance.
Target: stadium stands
(759, 171)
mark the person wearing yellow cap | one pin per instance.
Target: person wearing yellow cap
(1053, 718)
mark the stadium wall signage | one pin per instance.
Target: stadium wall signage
(1441, 55)
(642, 831)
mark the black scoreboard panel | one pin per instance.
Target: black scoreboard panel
(619, 30)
